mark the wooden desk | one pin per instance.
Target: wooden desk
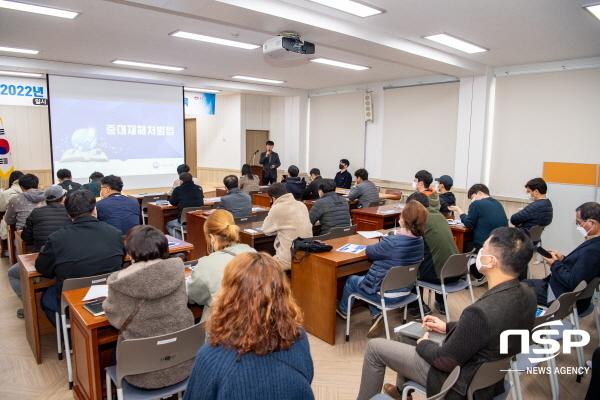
(376, 218)
(222, 191)
(140, 196)
(461, 235)
(317, 284)
(345, 192)
(160, 214)
(258, 241)
(21, 246)
(261, 200)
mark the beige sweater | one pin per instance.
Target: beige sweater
(9, 193)
(289, 220)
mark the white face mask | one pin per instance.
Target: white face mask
(529, 196)
(414, 185)
(582, 230)
(478, 263)
(473, 198)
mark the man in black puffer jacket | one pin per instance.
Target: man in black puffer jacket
(294, 184)
(332, 210)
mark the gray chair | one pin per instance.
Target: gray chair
(244, 220)
(335, 233)
(456, 265)
(324, 237)
(183, 219)
(396, 278)
(448, 383)
(261, 215)
(380, 202)
(65, 323)
(140, 356)
(253, 192)
(215, 205)
(150, 199)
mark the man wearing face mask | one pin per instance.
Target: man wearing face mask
(422, 183)
(582, 264)
(343, 179)
(538, 213)
(332, 210)
(471, 341)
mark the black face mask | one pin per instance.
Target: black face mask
(341, 166)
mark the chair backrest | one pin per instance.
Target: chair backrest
(456, 265)
(567, 301)
(324, 237)
(535, 233)
(397, 194)
(215, 205)
(78, 283)
(152, 199)
(549, 315)
(399, 277)
(252, 192)
(343, 231)
(448, 383)
(183, 218)
(244, 220)
(590, 289)
(380, 202)
(139, 356)
(488, 374)
(261, 215)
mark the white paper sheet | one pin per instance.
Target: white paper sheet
(370, 234)
(95, 292)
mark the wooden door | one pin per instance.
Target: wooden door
(255, 140)
(191, 150)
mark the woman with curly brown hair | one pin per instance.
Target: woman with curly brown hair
(257, 349)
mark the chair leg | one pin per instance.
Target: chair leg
(516, 389)
(446, 305)
(65, 332)
(471, 288)
(553, 379)
(108, 387)
(348, 318)
(405, 314)
(120, 394)
(58, 341)
(179, 395)
(429, 299)
(420, 306)
(385, 319)
(578, 350)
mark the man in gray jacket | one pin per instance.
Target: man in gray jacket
(365, 191)
(331, 209)
(20, 206)
(235, 201)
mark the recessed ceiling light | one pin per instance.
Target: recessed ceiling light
(25, 74)
(250, 78)
(191, 89)
(457, 43)
(53, 12)
(339, 64)
(17, 50)
(355, 7)
(146, 65)
(210, 39)
(595, 10)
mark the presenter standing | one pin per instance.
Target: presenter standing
(270, 162)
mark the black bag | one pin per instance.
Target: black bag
(309, 246)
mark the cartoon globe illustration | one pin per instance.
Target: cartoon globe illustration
(84, 139)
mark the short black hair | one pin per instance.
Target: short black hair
(183, 168)
(478, 187)
(80, 203)
(420, 197)
(185, 177)
(362, 174)
(113, 182)
(63, 174)
(231, 182)
(327, 185)
(96, 175)
(514, 247)
(425, 177)
(15, 175)
(537, 184)
(29, 181)
(270, 143)
(293, 171)
(315, 171)
(145, 243)
(446, 186)
(276, 190)
(589, 210)
(344, 161)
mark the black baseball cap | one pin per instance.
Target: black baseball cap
(445, 179)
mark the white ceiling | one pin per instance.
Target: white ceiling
(515, 31)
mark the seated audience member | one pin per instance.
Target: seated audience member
(41, 223)
(288, 219)
(447, 198)
(248, 181)
(223, 236)
(538, 213)
(87, 247)
(312, 190)
(154, 286)
(270, 162)
(94, 184)
(485, 214)
(332, 210)
(422, 183)
(294, 184)
(116, 209)
(343, 178)
(21, 205)
(13, 189)
(180, 170)
(256, 347)
(471, 341)
(439, 246)
(582, 264)
(188, 194)
(403, 248)
(364, 191)
(65, 180)
(235, 201)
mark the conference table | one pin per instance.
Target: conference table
(222, 191)
(263, 199)
(161, 213)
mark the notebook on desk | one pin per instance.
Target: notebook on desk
(95, 307)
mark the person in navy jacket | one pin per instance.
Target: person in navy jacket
(538, 213)
(116, 209)
(403, 248)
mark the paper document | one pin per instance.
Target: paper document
(211, 199)
(387, 212)
(251, 231)
(171, 244)
(370, 234)
(258, 209)
(400, 206)
(96, 292)
(352, 248)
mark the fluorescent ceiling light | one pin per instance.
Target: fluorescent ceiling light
(146, 65)
(355, 7)
(17, 50)
(210, 39)
(454, 42)
(339, 64)
(191, 89)
(249, 78)
(25, 74)
(595, 10)
(53, 12)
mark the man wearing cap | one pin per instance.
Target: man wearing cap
(447, 198)
(41, 223)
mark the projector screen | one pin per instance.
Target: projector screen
(133, 130)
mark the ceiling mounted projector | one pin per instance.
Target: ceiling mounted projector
(287, 46)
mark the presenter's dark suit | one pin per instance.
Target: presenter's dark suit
(269, 173)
